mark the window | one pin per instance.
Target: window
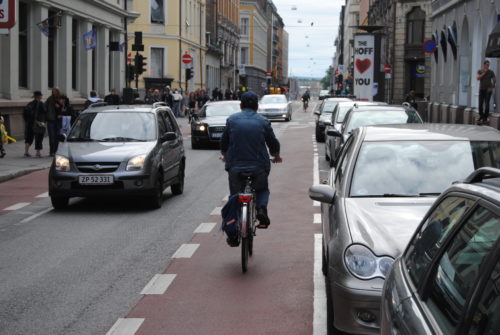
(434, 231)
(23, 44)
(51, 64)
(460, 266)
(157, 11)
(75, 38)
(415, 25)
(162, 126)
(170, 122)
(244, 55)
(157, 60)
(348, 149)
(486, 319)
(244, 26)
(486, 153)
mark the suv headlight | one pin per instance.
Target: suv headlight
(362, 263)
(136, 163)
(200, 127)
(61, 163)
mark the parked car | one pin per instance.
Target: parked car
(119, 151)
(366, 115)
(209, 123)
(447, 281)
(386, 179)
(323, 94)
(337, 118)
(324, 115)
(275, 107)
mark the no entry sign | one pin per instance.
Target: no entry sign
(187, 59)
(7, 14)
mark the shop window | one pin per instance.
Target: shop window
(415, 26)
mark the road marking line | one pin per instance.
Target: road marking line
(319, 314)
(317, 218)
(185, 251)
(226, 198)
(125, 326)
(316, 170)
(205, 227)
(216, 211)
(158, 284)
(316, 203)
(43, 195)
(17, 206)
(34, 216)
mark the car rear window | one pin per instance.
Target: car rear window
(273, 99)
(369, 118)
(219, 110)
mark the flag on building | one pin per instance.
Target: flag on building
(44, 27)
(123, 46)
(90, 39)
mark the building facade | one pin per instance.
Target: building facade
(223, 38)
(253, 60)
(171, 29)
(46, 49)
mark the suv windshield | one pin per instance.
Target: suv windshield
(273, 99)
(369, 118)
(114, 127)
(342, 112)
(219, 110)
(329, 106)
(418, 168)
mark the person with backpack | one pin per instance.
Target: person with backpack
(34, 116)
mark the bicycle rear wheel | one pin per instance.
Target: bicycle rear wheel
(245, 238)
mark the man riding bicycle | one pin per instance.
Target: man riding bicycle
(244, 146)
(305, 99)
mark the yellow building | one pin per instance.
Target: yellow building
(170, 29)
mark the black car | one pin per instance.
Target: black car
(448, 279)
(324, 115)
(209, 123)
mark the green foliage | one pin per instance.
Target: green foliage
(325, 82)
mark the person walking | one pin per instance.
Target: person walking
(66, 115)
(410, 98)
(91, 100)
(52, 108)
(167, 97)
(112, 98)
(487, 82)
(176, 98)
(34, 111)
(4, 137)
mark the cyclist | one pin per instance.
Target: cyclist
(243, 148)
(305, 99)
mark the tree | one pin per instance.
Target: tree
(327, 80)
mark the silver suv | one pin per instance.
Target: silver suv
(121, 150)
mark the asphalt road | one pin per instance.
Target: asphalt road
(79, 271)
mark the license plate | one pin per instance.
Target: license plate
(96, 180)
(216, 135)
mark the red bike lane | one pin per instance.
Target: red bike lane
(24, 189)
(211, 295)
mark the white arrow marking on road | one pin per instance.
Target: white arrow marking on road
(185, 251)
(125, 326)
(205, 227)
(319, 314)
(17, 206)
(158, 284)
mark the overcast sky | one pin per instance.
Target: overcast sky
(312, 60)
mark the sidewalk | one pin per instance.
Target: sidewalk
(14, 164)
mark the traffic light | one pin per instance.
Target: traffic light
(189, 73)
(130, 72)
(340, 79)
(140, 64)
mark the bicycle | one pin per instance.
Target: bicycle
(305, 105)
(247, 219)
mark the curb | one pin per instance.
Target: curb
(20, 173)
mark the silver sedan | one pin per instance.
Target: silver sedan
(275, 107)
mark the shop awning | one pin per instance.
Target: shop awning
(493, 46)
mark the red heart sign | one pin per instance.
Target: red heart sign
(363, 64)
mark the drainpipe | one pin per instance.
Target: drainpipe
(126, 48)
(201, 58)
(393, 60)
(180, 46)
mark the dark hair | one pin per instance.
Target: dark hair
(93, 94)
(250, 100)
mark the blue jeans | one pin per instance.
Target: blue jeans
(259, 183)
(176, 108)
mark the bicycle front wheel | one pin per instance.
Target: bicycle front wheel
(245, 238)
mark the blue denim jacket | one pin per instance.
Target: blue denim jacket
(244, 141)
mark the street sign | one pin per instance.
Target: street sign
(7, 14)
(429, 46)
(187, 59)
(387, 68)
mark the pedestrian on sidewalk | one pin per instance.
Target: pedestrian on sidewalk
(92, 99)
(34, 115)
(177, 98)
(410, 98)
(66, 115)
(487, 82)
(3, 137)
(112, 98)
(52, 108)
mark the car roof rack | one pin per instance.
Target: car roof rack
(482, 173)
(98, 104)
(159, 103)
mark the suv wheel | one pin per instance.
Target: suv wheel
(156, 200)
(178, 188)
(319, 137)
(59, 203)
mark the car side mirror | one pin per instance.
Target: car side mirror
(322, 193)
(317, 112)
(333, 132)
(170, 136)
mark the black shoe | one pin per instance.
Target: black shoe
(263, 218)
(233, 241)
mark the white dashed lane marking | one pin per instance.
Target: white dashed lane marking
(125, 326)
(34, 216)
(317, 218)
(319, 314)
(216, 211)
(43, 195)
(158, 284)
(316, 203)
(205, 227)
(185, 251)
(17, 206)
